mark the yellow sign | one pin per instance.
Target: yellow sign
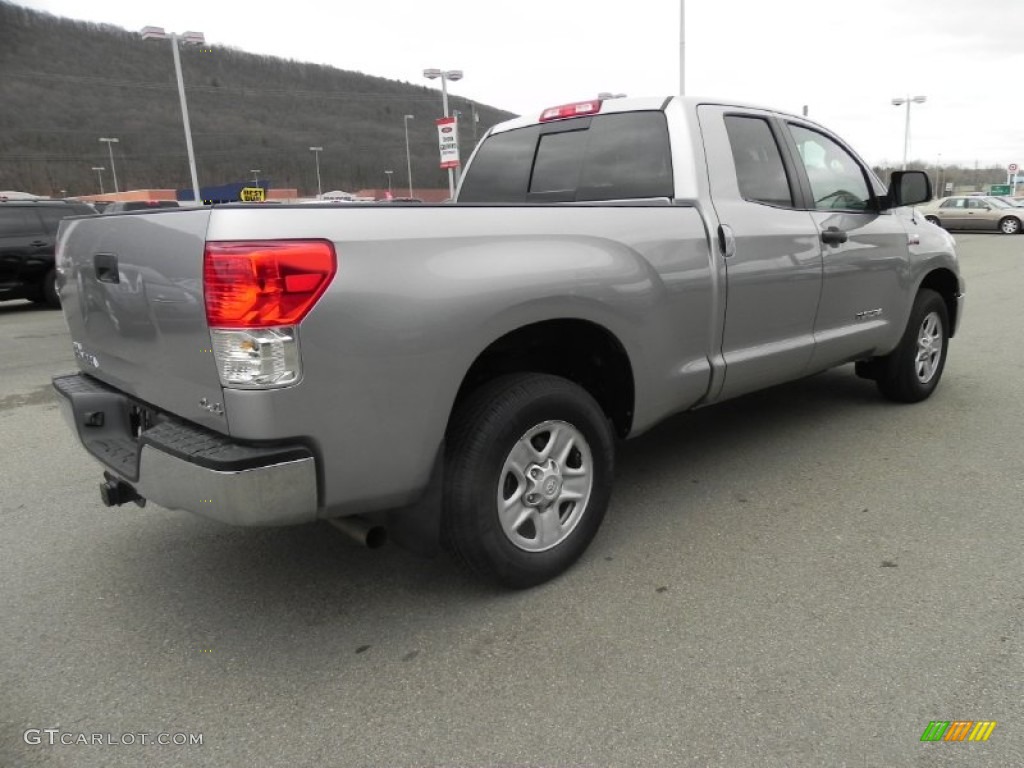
(253, 195)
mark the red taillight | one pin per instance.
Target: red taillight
(263, 284)
(571, 110)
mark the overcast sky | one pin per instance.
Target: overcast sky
(845, 61)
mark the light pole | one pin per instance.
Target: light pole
(389, 174)
(408, 157)
(189, 38)
(682, 47)
(99, 173)
(255, 174)
(457, 114)
(938, 182)
(316, 155)
(113, 170)
(906, 129)
(445, 75)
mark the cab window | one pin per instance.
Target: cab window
(838, 182)
(760, 173)
(622, 156)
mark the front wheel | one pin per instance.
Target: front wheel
(933, 219)
(911, 372)
(1009, 226)
(528, 478)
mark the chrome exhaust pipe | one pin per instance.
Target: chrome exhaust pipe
(361, 531)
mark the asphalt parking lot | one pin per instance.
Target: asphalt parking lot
(803, 577)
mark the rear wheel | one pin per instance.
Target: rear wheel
(1009, 225)
(48, 291)
(528, 478)
(911, 372)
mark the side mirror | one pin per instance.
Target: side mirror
(908, 188)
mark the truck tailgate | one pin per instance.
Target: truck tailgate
(132, 292)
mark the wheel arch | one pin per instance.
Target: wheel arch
(582, 351)
(945, 283)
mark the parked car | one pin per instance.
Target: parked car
(465, 370)
(28, 231)
(980, 212)
(121, 206)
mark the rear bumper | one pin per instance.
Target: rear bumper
(181, 466)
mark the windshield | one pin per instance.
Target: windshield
(997, 203)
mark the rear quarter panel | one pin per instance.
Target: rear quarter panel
(421, 292)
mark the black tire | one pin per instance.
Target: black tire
(49, 290)
(1009, 225)
(485, 431)
(901, 375)
(934, 220)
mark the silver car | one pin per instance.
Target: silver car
(974, 212)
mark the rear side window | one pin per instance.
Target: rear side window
(15, 220)
(760, 173)
(606, 157)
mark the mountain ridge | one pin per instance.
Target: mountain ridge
(66, 83)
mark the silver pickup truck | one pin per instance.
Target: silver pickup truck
(458, 375)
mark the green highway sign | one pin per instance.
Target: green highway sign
(1000, 189)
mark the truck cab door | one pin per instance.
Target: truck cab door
(770, 247)
(865, 250)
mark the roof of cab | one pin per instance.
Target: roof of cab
(640, 103)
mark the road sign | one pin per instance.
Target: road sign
(1012, 168)
(1000, 189)
(448, 141)
(253, 195)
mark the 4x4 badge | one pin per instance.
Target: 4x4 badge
(216, 408)
(81, 354)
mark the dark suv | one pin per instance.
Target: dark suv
(28, 231)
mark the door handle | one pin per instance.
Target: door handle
(726, 240)
(106, 268)
(834, 236)
(38, 243)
